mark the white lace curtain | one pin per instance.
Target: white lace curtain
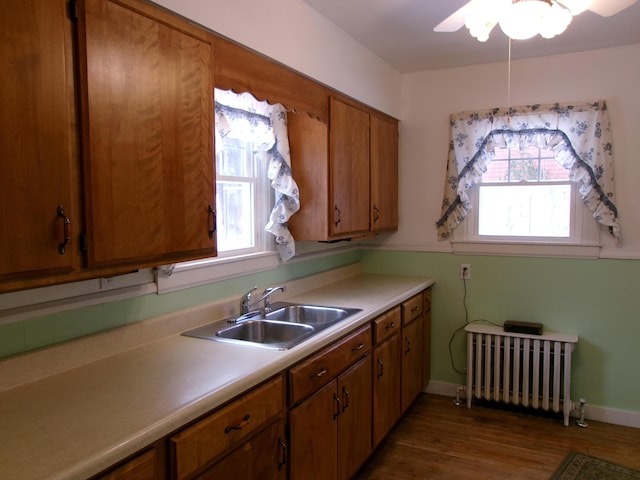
(579, 136)
(266, 126)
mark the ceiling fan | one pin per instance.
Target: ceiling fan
(518, 18)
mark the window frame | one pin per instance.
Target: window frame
(263, 201)
(582, 242)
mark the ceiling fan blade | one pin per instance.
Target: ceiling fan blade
(608, 8)
(455, 21)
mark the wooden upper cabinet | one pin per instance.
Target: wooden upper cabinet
(349, 169)
(346, 171)
(384, 173)
(147, 108)
(37, 144)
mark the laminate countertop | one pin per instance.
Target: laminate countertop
(75, 423)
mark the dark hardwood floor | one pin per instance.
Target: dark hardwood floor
(439, 440)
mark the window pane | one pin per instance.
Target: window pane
(552, 170)
(525, 210)
(235, 159)
(234, 206)
(523, 170)
(497, 171)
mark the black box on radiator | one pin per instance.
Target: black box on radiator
(523, 327)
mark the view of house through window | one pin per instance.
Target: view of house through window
(525, 193)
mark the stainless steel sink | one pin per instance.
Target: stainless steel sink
(258, 332)
(318, 316)
(285, 326)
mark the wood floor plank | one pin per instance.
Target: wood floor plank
(439, 440)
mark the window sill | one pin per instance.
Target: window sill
(524, 249)
(202, 272)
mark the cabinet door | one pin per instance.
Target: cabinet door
(386, 387)
(384, 174)
(426, 339)
(263, 457)
(348, 169)
(354, 421)
(314, 436)
(411, 362)
(36, 125)
(148, 135)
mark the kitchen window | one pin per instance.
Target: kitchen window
(534, 180)
(255, 194)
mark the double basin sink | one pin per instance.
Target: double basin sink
(284, 326)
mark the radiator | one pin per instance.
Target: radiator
(519, 369)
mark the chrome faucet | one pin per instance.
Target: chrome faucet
(267, 293)
(246, 305)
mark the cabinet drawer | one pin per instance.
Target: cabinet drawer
(310, 375)
(412, 308)
(225, 429)
(386, 325)
(140, 467)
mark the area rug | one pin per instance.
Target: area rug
(578, 466)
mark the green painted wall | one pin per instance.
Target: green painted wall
(599, 300)
(47, 330)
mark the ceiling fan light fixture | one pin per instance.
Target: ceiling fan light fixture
(524, 19)
(576, 7)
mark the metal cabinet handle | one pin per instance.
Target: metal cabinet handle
(358, 348)
(212, 221)
(347, 398)
(285, 454)
(408, 342)
(391, 325)
(66, 234)
(380, 369)
(376, 214)
(238, 426)
(338, 405)
(322, 372)
(337, 215)
(415, 309)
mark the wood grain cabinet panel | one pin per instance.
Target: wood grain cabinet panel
(38, 154)
(230, 427)
(330, 431)
(147, 107)
(348, 169)
(384, 173)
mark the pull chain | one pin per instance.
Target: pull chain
(509, 86)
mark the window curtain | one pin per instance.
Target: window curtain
(266, 126)
(579, 136)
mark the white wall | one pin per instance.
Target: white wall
(292, 33)
(429, 97)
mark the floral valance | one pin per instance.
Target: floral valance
(266, 126)
(578, 134)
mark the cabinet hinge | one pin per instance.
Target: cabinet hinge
(73, 10)
(83, 243)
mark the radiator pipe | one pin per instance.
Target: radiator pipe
(581, 422)
(459, 390)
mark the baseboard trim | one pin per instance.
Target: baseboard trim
(624, 418)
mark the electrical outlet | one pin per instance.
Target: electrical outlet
(465, 271)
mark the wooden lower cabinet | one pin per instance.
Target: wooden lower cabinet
(263, 457)
(330, 431)
(141, 467)
(213, 442)
(411, 362)
(386, 387)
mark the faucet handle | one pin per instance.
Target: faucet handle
(267, 293)
(246, 300)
